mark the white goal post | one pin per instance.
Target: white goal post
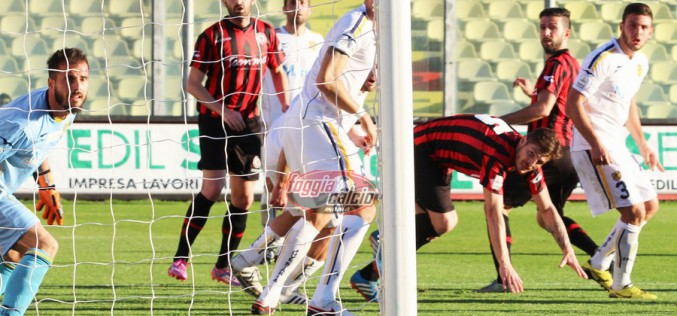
(397, 157)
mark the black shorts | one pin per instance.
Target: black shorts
(239, 152)
(432, 184)
(560, 177)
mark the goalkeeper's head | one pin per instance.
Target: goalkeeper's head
(68, 81)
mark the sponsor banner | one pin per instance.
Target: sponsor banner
(102, 158)
(663, 139)
(331, 191)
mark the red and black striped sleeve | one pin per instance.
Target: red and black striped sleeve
(535, 180)
(275, 53)
(204, 53)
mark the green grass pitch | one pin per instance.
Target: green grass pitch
(113, 259)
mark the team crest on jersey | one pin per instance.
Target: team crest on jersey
(262, 39)
(616, 176)
(639, 70)
(256, 163)
(497, 185)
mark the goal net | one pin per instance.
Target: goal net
(127, 168)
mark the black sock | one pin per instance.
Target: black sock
(369, 272)
(232, 229)
(579, 237)
(424, 230)
(508, 241)
(195, 220)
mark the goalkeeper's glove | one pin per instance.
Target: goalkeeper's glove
(50, 199)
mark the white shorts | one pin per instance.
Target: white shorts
(621, 184)
(272, 146)
(320, 153)
(319, 146)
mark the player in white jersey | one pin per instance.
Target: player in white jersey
(602, 107)
(320, 144)
(300, 46)
(31, 126)
(245, 264)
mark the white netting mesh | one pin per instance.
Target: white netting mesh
(137, 137)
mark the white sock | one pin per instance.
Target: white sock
(301, 274)
(605, 253)
(296, 246)
(628, 242)
(343, 247)
(254, 254)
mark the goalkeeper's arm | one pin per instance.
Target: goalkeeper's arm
(48, 197)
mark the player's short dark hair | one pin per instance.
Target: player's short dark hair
(291, 2)
(558, 12)
(637, 8)
(72, 55)
(546, 141)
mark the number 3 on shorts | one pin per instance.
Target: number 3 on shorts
(621, 186)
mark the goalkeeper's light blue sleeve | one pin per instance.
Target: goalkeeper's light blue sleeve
(27, 134)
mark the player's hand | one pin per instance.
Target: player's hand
(370, 129)
(511, 280)
(523, 84)
(285, 107)
(600, 155)
(650, 158)
(278, 197)
(233, 120)
(570, 260)
(49, 199)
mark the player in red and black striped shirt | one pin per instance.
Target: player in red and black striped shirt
(486, 148)
(233, 54)
(547, 109)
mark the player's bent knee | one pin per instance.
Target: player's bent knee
(49, 245)
(211, 194)
(367, 213)
(634, 214)
(444, 222)
(242, 201)
(651, 208)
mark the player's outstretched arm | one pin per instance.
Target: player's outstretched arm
(524, 85)
(550, 220)
(493, 210)
(545, 101)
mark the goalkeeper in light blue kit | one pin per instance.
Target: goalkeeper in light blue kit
(31, 126)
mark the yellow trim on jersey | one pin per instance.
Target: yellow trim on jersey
(606, 187)
(359, 28)
(337, 139)
(604, 54)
